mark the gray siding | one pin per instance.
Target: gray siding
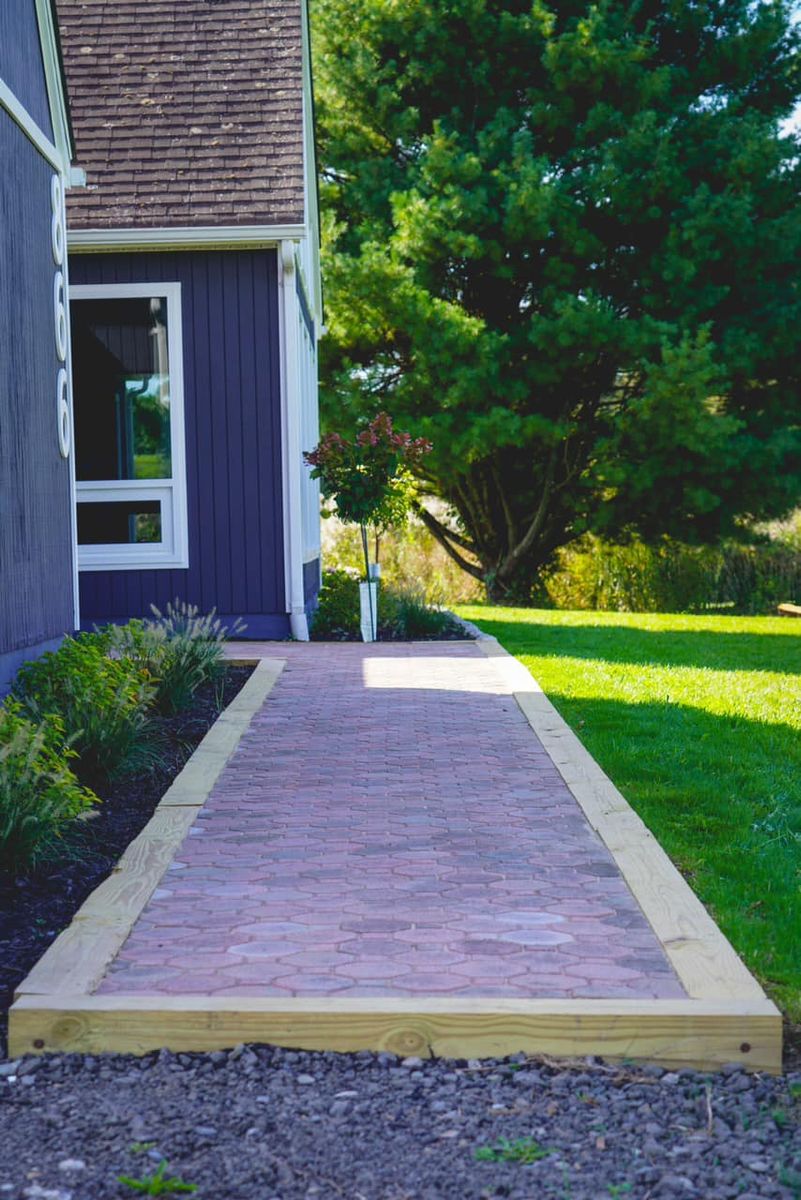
(21, 65)
(229, 303)
(35, 519)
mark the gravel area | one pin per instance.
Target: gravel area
(258, 1123)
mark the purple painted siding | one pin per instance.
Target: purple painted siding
(21, 66)
(311, 582)
(229, 302)
(35, 517)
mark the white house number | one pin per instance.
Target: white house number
(58, 242)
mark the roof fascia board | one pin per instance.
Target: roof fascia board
(312, 188)
(20, 115)
(189, 237)
(54, 77)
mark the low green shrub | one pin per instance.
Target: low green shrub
(102, 702)
(39, 793)
(403, 614)
(336, 617)
(179, 651)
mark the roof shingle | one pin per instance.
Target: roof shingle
(186, 112)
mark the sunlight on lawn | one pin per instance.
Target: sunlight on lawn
(696, 719)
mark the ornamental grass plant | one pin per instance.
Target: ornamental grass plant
(180, 651)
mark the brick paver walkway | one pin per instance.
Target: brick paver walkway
(390, 825)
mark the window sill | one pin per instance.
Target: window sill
(133, 559)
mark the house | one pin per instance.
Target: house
(38, 580)
(195, 308)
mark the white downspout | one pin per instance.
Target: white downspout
(290, 413)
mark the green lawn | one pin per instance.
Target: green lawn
(697, 721)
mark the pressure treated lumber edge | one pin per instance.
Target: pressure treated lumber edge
(704, 960)
(77, 960)
(675, 1033)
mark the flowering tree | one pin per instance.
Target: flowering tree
(369, 479)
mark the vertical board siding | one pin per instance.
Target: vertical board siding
(311, 582)
(229, 304)
(36, 583)
(21, 66)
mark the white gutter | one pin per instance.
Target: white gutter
(290, 423)
(185, 237)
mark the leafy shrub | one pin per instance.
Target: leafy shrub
(179, 651)
(39, 793)
(403, 614)
(102, 702)
(337, 615)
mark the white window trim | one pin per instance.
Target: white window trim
(173, 554)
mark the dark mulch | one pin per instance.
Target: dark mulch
(36, 907)
(453, 630)
(268, 1124)
(450, 633)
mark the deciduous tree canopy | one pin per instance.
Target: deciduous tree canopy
(564, 244)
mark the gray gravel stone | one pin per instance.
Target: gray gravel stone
(242, 1126)
(37, 1192)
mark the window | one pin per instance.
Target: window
(129, 425)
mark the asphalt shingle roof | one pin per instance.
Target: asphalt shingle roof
(186, 112)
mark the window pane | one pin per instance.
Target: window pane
(119, 522)
(122, 388)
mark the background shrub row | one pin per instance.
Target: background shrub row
(672, 577)
(745, 577)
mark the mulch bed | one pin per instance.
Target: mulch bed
(389, 635)
(36, 907)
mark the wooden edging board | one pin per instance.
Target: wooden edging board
(726, 1017)
(709, 968)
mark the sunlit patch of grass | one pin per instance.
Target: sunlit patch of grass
(697, 721)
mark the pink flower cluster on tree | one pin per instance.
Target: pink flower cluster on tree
(361, 476)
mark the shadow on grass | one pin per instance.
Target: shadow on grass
(710, 648)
